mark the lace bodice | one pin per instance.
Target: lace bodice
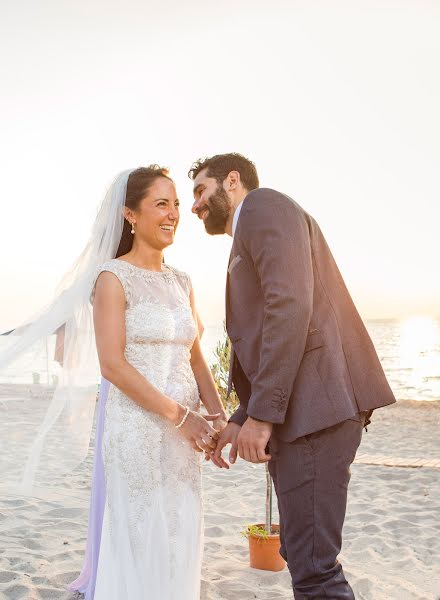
(157, 303)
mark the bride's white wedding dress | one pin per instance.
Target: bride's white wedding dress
(152, 530)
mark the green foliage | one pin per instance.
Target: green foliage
(255, 531)
(220, 372)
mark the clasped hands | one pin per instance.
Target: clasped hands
(198, 430)
(249, 441)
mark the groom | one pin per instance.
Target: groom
(303, 365)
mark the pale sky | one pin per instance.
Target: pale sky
(336, 102)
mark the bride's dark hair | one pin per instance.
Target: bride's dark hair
(138, 184)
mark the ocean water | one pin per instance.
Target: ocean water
(408, 349)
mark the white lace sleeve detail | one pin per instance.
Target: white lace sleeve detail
(188, 283)
(119, 270)
(184, 280)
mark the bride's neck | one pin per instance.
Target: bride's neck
(144, 256)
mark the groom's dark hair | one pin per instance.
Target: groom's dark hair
(220, 165)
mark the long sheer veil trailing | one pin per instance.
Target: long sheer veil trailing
(52, 434)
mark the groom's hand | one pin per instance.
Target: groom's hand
(253, 439)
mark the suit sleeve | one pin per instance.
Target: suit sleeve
(239, 416)
(275, 234)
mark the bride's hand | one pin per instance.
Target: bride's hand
(199, 432)
(220, 423)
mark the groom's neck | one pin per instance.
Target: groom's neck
(236, 199)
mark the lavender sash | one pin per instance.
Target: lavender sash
(85, 583)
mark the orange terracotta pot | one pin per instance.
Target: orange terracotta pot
(264, 553)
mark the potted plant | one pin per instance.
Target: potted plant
(263, 538)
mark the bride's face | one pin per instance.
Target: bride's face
(157, 216)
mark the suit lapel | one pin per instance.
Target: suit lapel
(227, 289)
(227, 302)
(227, 313)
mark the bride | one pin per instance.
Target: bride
(145, 325)
(148, 348)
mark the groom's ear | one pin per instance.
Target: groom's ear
(232, 181)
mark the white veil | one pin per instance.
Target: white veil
(45, 430)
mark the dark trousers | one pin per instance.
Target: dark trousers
(311, 478)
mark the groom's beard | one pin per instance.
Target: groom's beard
(219, 210)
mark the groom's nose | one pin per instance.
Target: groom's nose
(198, 206)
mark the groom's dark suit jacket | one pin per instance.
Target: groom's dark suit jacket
(302, 358)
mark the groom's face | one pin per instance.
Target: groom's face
(211, 203)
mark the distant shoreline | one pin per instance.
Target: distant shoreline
(408, 349)
(39, 390)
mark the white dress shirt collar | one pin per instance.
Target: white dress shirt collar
(235, 218)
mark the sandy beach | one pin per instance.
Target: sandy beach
(391, 538)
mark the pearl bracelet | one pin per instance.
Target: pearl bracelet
(184, 418)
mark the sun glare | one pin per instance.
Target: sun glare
(419, 346)
(418, 335)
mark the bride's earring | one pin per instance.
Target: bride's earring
(132, 228)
